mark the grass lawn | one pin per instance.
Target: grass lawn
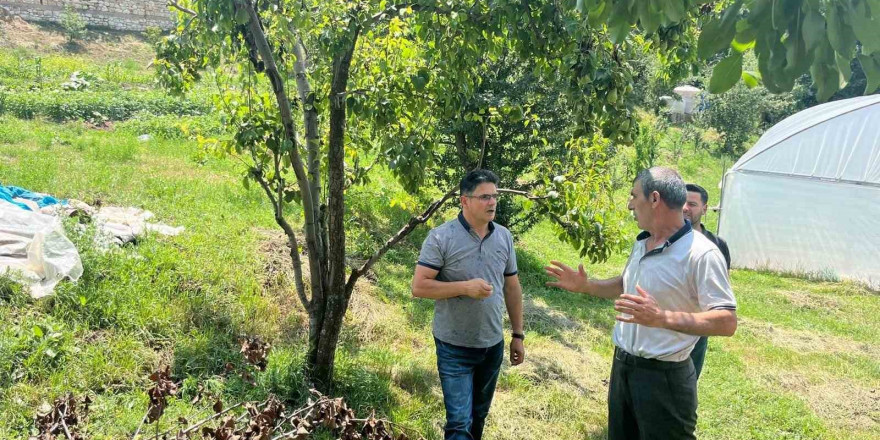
(804, 363)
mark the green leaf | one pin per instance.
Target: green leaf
(712, 39)
(813, 29)
(742, 46)
(864, 26)
(599, 13)
(751, 79)
(767, 74)
(674, 9)
(242, 17)
(38, 332)
(825, 80)
(726, 73)
(871, 66)
(843, 66)
(619, 31)
(840, 33)
(745, 36)
(649, 18)
(619, 23)
(717, 34)
(796, 57)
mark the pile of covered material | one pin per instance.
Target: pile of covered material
(32, 240)
(34, 245)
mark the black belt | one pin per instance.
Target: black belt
(628, 359)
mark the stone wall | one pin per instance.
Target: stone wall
(132, 15)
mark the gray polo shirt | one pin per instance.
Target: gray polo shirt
(458, 253)
(685, 274)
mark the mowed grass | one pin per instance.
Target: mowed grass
(804, 363)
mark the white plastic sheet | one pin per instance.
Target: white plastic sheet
(806, 197)
(33, 245)
(126, 224)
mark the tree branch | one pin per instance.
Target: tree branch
(400, 235)
(522, 193)
(175, 5)
(198, 424)
(289, 232)
(313, 144)
(309, 210)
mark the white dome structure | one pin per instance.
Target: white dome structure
(806, 197)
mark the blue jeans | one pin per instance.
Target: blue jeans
(698, 354)
(468, 377)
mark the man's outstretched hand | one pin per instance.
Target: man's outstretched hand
(567, 278)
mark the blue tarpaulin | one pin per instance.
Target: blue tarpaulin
(9, 193)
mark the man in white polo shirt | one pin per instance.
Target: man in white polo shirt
(674, 289)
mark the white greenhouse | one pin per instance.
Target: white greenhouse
(806, 197)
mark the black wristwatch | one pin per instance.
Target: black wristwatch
(518, 336)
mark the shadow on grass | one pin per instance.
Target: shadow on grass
(579, 308)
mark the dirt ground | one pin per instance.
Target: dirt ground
(99, 44)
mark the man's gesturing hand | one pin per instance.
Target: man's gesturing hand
(566, 277)
(478, 288)
(642, 309)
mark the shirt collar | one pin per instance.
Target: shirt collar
(467, 227)
(678, 234)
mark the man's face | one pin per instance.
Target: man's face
(481, 204)
(694, 208)
(640, 206)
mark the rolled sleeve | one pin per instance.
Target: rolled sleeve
(713, 282)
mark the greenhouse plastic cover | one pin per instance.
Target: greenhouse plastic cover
(33, 246)
(806, 197)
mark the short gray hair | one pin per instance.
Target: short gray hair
(667, 182)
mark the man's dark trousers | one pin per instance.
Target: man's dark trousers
(698, 354)
(650, 399)
(468, 377)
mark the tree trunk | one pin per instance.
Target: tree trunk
(330, 292)
(337, 296)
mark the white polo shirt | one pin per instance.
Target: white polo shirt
(686, 274)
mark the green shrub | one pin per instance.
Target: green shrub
(172, 126)
(93, 105)
(73, 24)
(736, 115)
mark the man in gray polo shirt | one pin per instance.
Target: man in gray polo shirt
(673, 290)
(468, 267)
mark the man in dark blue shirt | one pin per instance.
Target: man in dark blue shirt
(694, 209)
